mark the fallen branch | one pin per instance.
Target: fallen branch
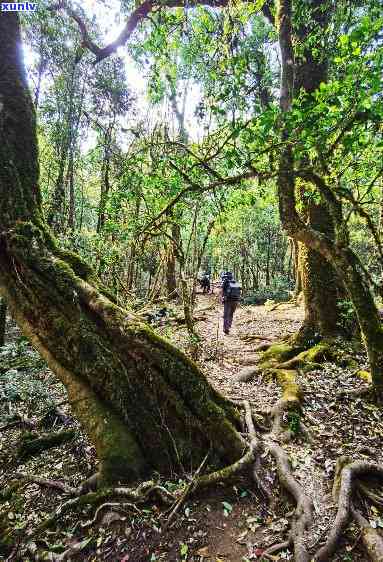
(40, 444)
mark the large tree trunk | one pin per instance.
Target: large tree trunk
(144, 404)
(320, 284)
(336, 251)
(319, 281)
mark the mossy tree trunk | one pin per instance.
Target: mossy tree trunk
(335, 250)
(319, 281)
(144, 405)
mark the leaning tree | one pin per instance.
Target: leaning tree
(143, 403)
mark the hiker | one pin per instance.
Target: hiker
(205, 283)
(231, 296)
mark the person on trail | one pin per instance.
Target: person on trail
(205, 283)
(231, 296)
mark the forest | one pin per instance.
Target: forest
(191, 280)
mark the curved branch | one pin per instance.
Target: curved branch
(140, 13)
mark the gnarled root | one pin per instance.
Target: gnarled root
(290, 401)
(344, 484)
(304, 510)
(143, 493)
(372, 540)
(256, 445)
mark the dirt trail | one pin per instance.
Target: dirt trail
(225, 524)
(231, 352)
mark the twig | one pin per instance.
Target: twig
(188, 490)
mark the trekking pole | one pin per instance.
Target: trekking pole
(218, 315)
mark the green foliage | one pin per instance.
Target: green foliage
(348, 320)
(222, 66)
(293, 422)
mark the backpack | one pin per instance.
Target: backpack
(233, 291)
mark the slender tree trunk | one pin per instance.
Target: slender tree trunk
(40, 73)
(56, 215)
(3, 319)
(105, 182)
(268, 260)
(144, 404)
(171, 280)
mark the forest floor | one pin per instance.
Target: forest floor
(231, 523)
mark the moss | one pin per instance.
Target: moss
(287, 380)
(349, 363)
(364, 375)
(317, 353)
(277, 353)
(81, 269)
(31, 446)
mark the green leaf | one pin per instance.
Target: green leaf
(228, 507)
(184, 549)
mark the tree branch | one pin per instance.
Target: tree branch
(140, 13)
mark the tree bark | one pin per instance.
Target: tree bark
(105, 181)
(3, 319)
(318, 278)
(144, 404)
(345, 263)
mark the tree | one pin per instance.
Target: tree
(143, 403)
(320, 285)
(336, 250)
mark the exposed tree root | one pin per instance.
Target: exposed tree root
(110, 506)
(251, 337)
(276, 548)
(304, 510)
(143, 493)
(344, 484)
(316, 354)
(257, 447)
(375, 499)
(289, 402)
(372, 540)
(30, 478)
(247, 373)
(228, 472)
